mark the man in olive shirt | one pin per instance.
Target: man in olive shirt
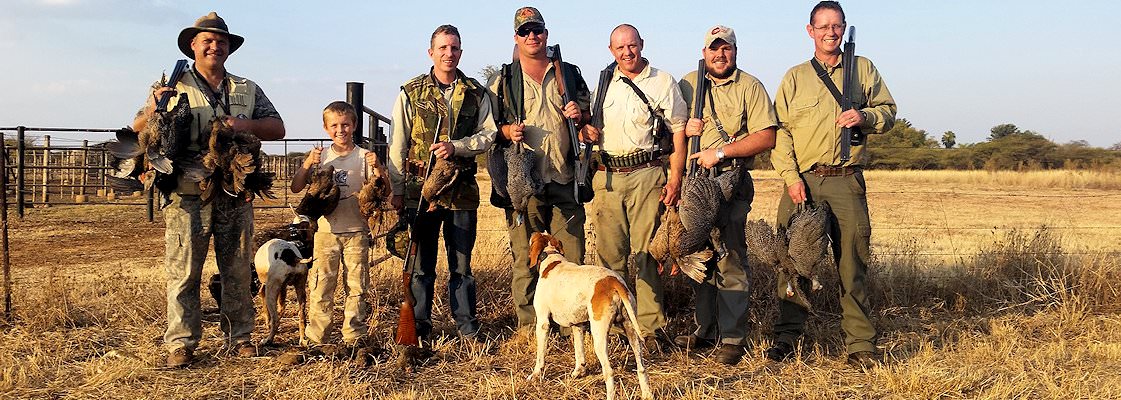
(544, 130)
(808, 158)
(738, 123)
(632, 184)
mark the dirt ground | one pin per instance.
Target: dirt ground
(89, 315)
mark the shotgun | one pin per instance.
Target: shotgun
(698, 113)
(176, 74)
(582, 156)
(406, 321)
(849, 136)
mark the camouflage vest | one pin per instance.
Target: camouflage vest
(460, 117)
(242, 101)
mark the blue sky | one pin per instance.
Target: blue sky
(963, 66)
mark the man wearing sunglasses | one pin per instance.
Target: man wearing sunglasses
(528, 110)
(808, 157)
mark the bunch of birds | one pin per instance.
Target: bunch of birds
(322, 195)
(513, 175)
(160, 156)
(445, 174)
(799, 250)
(687, 235)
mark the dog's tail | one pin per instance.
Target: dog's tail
(628, 301)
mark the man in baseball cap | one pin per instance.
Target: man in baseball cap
(738, 122)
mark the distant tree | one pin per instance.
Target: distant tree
(903, 134)
(1116, 146)
(1077, 143)
(489, 72)
(949, 139)
(1003, 130)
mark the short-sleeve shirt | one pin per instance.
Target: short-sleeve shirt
(546, 131)
(350, 175)
(627, 122)
(742, 106)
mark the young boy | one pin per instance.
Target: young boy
(342, 241)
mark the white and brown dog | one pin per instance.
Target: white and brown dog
(570, 294)
(279, 264)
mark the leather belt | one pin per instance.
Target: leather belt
(822, 171)
(648, 164)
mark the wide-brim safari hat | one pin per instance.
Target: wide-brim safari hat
(207, 23)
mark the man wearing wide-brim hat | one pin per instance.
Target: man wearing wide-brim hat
(213, 93)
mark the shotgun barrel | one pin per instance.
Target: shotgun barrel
(849, 136)
(176, 74)
(406, 321)
(582, 153)
(698, 112)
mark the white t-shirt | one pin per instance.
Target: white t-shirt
(350, 175)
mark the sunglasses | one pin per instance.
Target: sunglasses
(535, 29)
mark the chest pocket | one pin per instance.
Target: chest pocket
(802, 111)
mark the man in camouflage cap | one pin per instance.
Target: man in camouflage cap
(532, 81)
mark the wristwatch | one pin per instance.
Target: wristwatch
(720, 154)
(863, 115)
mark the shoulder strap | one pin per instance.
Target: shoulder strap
(641, 96)
(716, 119)
(824, 76)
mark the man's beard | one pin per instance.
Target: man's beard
(726, 74)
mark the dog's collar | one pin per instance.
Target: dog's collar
(548, 251)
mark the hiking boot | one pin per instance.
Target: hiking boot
(730, 354)
(656, 344)
(245, 349)
(780, 351)
(180, 357)
(863, 360)
(291, 357)
(693, 342)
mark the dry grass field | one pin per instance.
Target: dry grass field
(985, 285)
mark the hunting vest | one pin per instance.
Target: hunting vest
(460, 117)
(242, 100)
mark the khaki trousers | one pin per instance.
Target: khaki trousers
(557, 211)
(347, 253)
(627, 209)
(850, 232)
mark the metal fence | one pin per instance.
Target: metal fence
(42, 173)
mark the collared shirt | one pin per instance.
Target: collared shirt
(546, 131)
(742, 106)
(808, 134)
(468, 146)
(627, 123)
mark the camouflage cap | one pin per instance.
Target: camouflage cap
(526, 15)
(720, 32)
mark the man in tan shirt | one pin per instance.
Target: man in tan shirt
(631, 185)
(738, 123)
(544, 129)
(808, 157)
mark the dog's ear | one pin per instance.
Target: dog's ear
(553, 241)
(536, 246)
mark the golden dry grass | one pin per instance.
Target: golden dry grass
(1015, 311)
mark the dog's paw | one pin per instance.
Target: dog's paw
(535, 376)
(578, 372)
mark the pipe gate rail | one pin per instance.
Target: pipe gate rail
(41, 174)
